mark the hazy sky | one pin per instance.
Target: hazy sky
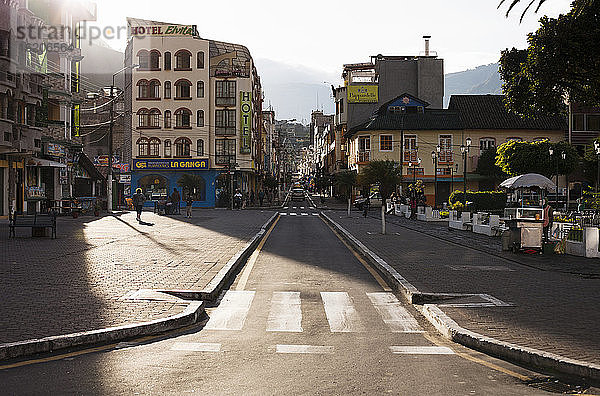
(323, 35)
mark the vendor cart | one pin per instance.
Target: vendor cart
(525, 235)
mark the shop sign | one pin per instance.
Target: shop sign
(102, 160)
(55, 150)
(169, 164)
(36, 192)
(125, 179)
(122, 167)
(163, 30)
(245, 121)
(363, 93)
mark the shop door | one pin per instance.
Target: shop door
(20, 191)
(443, 192)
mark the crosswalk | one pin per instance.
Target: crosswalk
(285, 312)
(299, 211)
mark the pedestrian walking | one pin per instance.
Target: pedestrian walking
(252, 197)
(261, 197)
(237, 200)
(366, 207)
(176, 201)
(138, 202)
(188, 206)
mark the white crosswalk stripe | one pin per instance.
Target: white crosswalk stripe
(315, 214)
(293, 214)
(232, 311)
(304, 214)
(421, 350)
(398, 319)
(283, 213)
(340, 312)
(285, 313)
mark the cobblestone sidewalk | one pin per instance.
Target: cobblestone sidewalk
(550, 307)
(77, 281)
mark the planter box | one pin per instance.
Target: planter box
(587, 248)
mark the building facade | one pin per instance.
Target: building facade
(195, 109)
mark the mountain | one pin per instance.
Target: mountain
(481, 80)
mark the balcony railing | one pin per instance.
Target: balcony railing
(225, 101)
(224, 131)
(224, 159)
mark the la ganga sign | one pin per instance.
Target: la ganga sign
(170, 164)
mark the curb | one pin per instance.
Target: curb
(190, 315)
(454, 332)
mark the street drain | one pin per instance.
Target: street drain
(555, 385)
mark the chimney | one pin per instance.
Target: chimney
(426, 45)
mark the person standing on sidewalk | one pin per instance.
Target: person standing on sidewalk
(176, 201)
(548, 219)
(188, 206)
(237, 200)
(138, 202)
(366, 207)
(261, 197)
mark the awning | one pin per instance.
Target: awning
(44, 163)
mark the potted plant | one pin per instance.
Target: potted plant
(97, 207)
(75, 209)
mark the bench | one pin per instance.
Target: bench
(36, 222)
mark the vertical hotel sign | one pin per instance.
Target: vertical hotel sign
(245, 121)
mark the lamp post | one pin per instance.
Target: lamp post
(418, 163)
(551, 152)
(464, 150)
(563, 155)
(597, 151)
(434, 159)
(109, 182)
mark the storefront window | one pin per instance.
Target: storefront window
(155, 187)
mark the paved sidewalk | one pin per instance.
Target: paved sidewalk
(77, 282)
(551, 310)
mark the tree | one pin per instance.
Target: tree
(590, 164)
(578, 5)
(562, 60)
(387, 175)
(518, 157)
(486, 165)
(346, 181)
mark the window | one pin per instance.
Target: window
(167, 61)
(200, 60)
(200, 89)
(200, 118)
(143, 59)
(200, 147)
(167, 89)
(225, 93)
(445, 143)
(182, 147)
(225, 122)
(154, 60)
(578, 122)
(143, 147)
(183, 60)
(167, 148)
(364, 148)
(148, 89)
(167, 120)
(486, 144)
(183, 89)
(410, 148)
(148, 118)
(224, 151)
(385, 143)
(154, 147)
(183, 118)
(593, 122)
(341, 106)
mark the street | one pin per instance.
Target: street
(304, 316)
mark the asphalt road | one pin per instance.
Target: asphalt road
(304, 316)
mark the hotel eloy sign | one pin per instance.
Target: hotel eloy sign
(170, 164)
(363, 93)
(163, 30)
(245, 121)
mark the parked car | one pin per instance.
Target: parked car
(374, 199)
(297, 194)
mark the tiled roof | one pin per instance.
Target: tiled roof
(430, 120)
(489, 112)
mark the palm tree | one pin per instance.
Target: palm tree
(346, 181)
(387, 175)
(578, 5)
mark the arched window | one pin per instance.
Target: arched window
(183, 89)
(143, 147)
(167, 148)
(200, 89)
(183, 60)
(148, 118)
(182, 147)
(143, 59)
(200, 147)
(183, 118)
(143, 118)
(167, 89)
(167, 61)
(167, 120)
(200, 118)
(148, 89)
(154, 147)
(154, 118)
(200, 60)
(154, 60)
(486, 143)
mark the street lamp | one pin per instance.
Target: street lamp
(414, 165)
(434, 159)
(597, 151)
(109, 192)
(464, 150)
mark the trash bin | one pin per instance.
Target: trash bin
(506, 240)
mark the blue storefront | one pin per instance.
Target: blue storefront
(158, 177)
